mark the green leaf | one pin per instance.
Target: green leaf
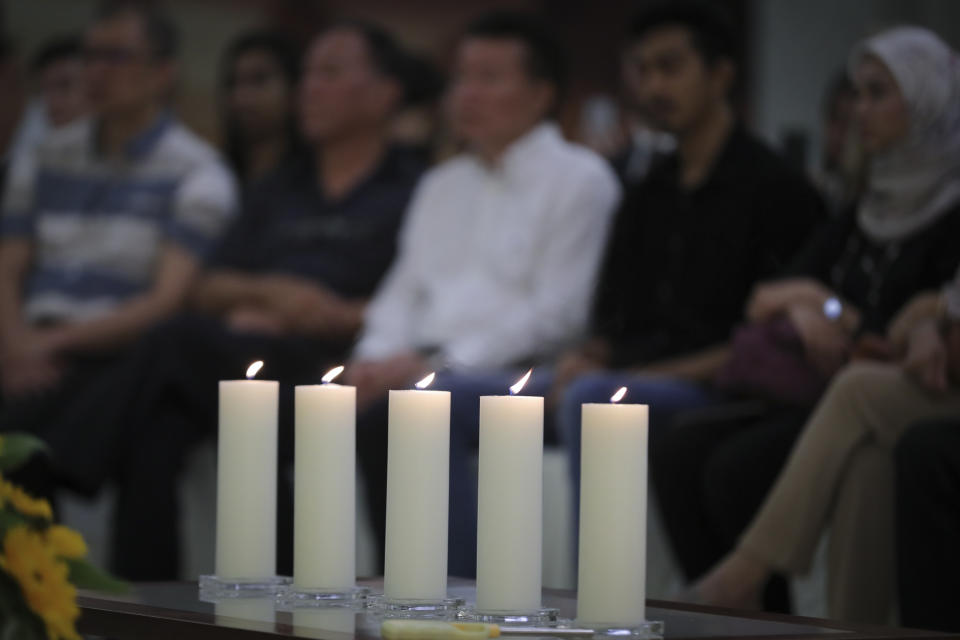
(17, 448)
(17, 621)
(22, 627)
(10, 519)
(86, 576)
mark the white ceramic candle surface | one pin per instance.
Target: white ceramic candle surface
(613, 514)
(324, 521)
(418, 463)
(247, 479)
(510, 502)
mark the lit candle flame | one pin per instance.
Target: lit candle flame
(254, 369)
(618, 396)
(515, 389)
(426, 382)
(331, 375)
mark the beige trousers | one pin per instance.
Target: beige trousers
(840, 473)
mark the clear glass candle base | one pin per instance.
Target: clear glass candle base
(538, 618)
(293, 598)
(649, 630)
(446, 609)
(213, 588)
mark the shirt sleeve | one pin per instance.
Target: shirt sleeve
(240, 246)
(794, 238)
(234, 250)
(576, 233)
(390, 316)
(203, 205)
(17, 214)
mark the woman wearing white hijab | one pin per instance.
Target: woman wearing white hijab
(917, 180)
(839, 473)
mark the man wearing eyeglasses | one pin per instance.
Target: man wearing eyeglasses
(102, 231)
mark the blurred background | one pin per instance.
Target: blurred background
(791, 49)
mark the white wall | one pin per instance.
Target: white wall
(799, 44)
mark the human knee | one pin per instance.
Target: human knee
(863, 383)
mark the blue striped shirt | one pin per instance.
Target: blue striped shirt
(98, 225)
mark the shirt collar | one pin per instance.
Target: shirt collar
(527, 150)
(388, 164)
(730, 165)
(145, 141)
(727, 166)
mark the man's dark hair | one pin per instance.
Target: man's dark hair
(388, 57)
(56, 50)
(160, 31)
(712, 30)
(544, 55)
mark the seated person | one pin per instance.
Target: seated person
(258, 94)
(60, 97)
(104, 227)
(927, 492)
(317, 235)
(501, 244)
(288, 287)
(58, 68)
(927, 513)
(841, 474)
(690, 242)
(839, 469)
(643, 146)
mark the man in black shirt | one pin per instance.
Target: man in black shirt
(691, 241)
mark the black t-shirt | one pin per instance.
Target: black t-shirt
(289, 226)
(681, 263)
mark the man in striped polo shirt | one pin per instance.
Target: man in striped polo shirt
(104, 225)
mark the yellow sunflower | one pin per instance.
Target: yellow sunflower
(43, 580)
(23, 502)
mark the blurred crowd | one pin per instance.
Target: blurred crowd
(797, 337)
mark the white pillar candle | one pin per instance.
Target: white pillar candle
(613, 514)
(418, 465)
(247, 480)
(510, 503)
(324, 489)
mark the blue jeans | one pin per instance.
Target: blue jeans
(665, 396)
(465, 391)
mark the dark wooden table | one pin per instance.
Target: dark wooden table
(174, 611)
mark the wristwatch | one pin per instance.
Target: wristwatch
(833, 308)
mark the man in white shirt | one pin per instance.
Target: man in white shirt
(499, 251)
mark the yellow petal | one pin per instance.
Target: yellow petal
(66, 542)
